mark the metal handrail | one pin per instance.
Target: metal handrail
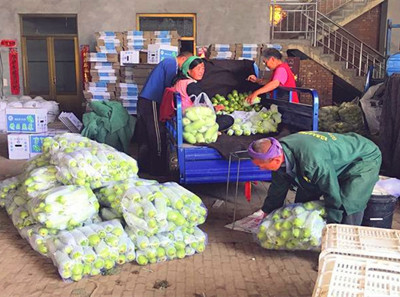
(320, 16)
(326, 33)
(348, 47)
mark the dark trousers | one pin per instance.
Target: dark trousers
(151, 139)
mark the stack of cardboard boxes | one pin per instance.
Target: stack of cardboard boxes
(170, 38)
(127, 94)
(104, 66)
(136, 40)
(109, 42)
(115, 68)
(237, 51)
(248, 52)
(223, 51)
(26, 128)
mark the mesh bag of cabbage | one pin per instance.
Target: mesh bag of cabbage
(90, 250)
(160, 208)
(164, 246)
(296, 226)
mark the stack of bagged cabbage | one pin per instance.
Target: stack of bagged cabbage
(293, 227)
(347, 117)
(161, 219)
(263, 122)
(53, 205)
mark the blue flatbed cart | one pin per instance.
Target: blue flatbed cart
(202, 164)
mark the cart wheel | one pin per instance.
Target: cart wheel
(173, 166)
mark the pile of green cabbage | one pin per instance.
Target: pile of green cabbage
(89, 250)
(164, 246)
(347, 117)
(199, 125)
(161, 208)
(55, 205)
(293, 227)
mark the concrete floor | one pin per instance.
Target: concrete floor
(232, 264)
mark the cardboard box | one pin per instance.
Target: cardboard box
(18, 146)
(222, 55)
(26, 120)
(164, 34)
(99, 95)
(137, 44)
(156, 53)
(108, 35)
(104, 65)
(110, 42)
(129, 57)
(104, 72)
(103, 57)
(137, 34)
(109, 86)
(25, 146)
(71, 122)
(109, 50)
(165, 41)
(223, 47)
(105, 79)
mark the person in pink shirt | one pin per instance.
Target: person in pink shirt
(282, 75)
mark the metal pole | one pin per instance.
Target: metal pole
(272, 22)
(315, 24)
(360, 62)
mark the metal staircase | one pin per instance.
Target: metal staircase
(325, 41)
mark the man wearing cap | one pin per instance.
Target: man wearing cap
(341, 167)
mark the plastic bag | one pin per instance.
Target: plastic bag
(7, 185)
(265, 121)
(293, 227)
(15, 199)
(111, 194)
(166, 246)
(81, 161)
(64, 207)
(90, 250)
(199, 122)
(39, 180)
(372, 109)
(37, 236)
(161, 208)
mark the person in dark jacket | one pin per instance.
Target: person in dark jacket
(343, 168)
(151, 134)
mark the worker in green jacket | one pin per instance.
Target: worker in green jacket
(343, 168)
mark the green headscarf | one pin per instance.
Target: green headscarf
(186, 64)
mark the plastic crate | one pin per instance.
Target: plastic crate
(347, 276)
(367, 242)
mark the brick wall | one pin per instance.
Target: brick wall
(312, 75)
(366, 27)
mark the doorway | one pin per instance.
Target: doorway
(50, 56)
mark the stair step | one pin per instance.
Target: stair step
(337, 18)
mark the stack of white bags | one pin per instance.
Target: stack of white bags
(27, 102)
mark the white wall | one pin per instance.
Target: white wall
(218, 21)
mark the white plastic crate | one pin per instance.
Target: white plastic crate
(367, 242)
(344, 276)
